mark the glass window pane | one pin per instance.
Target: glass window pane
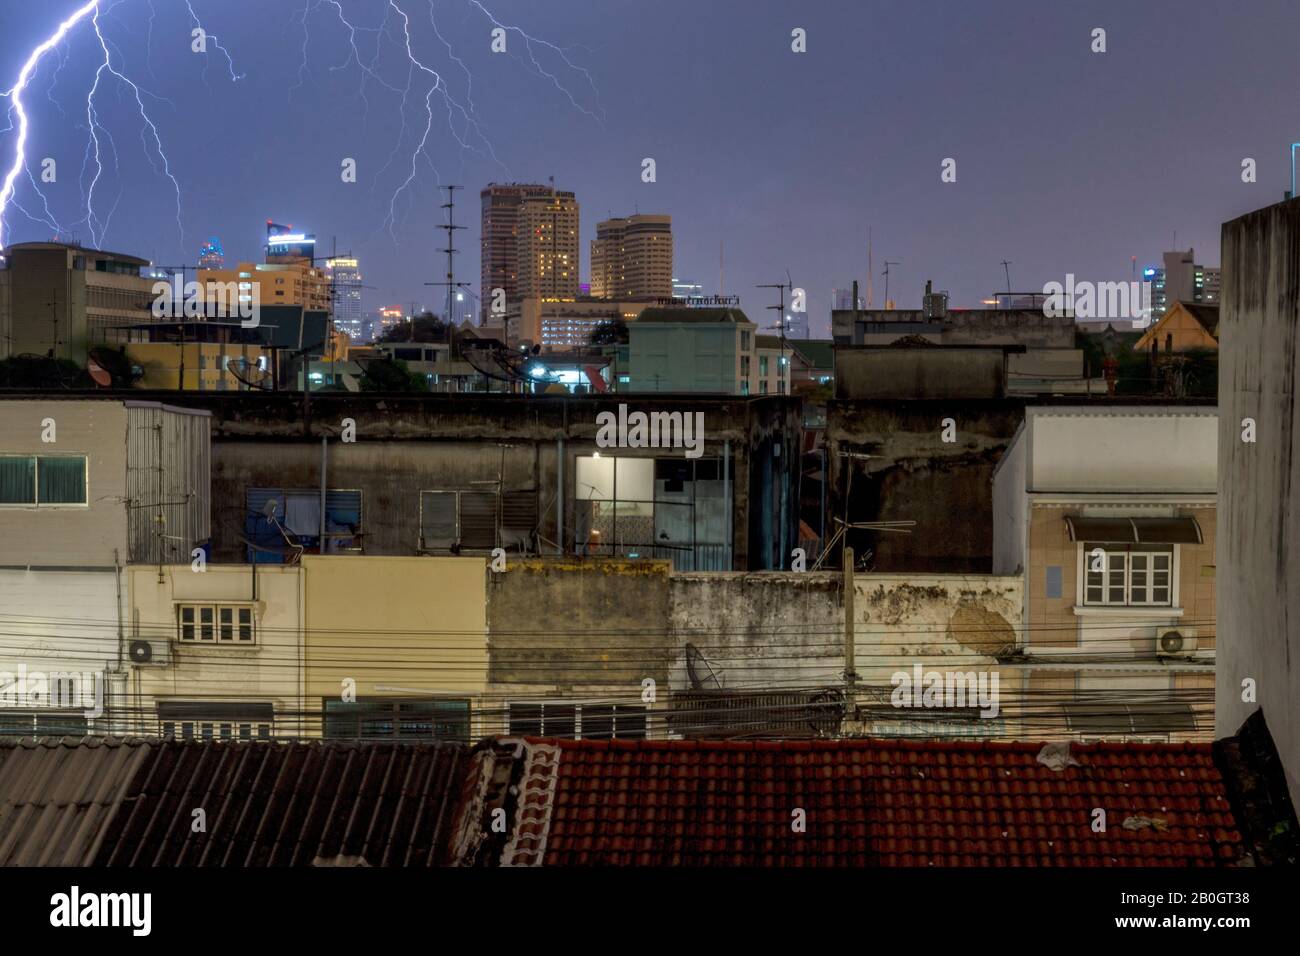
(245, 623)
(17, 480)
(1160, 595)
(61, 481)
(205, 622)
(227, 616)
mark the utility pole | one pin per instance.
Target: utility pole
(870, 270)
(850, 644)
(1006, 267)
(780, 317)
(886, 275)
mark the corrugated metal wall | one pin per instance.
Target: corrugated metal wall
(168, 475)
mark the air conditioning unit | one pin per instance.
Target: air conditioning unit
(150, 653)
(1175, 642)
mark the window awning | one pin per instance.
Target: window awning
(1150, 717)
(1179, 530)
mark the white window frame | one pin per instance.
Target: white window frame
(222, 615)
(1083, 564)
(636, 711)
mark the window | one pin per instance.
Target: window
(209, 720)
(42, 480)
(47, 723)
(215, 623)
(478, 520)
(283, 522)
(1123, 577)
(397, 719)
(587, 721)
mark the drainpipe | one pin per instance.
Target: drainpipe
(324, 448)
(559, 495)
(726, 501)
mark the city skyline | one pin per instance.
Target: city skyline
(767, 159)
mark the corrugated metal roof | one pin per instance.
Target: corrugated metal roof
(57, 794)
(307, 804)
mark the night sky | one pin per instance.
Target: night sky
(1067, 160)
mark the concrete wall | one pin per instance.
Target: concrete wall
(563, 624)
(870, 373)
(1123, 449)
(888, 458)
(1010, 507)
(269, 671)
(686, 357)
(68, 535)
(1258, 584)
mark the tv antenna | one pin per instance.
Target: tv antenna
(450, 228)
(1006, 267)
(888, 263)
(780, 317)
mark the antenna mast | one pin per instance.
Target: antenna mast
(450, 228)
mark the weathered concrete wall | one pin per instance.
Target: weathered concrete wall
(565, 624)
(888, 458)
(1258, 482)
(871, 373)
(761, 631)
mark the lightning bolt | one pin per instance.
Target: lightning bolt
(15, 96)
(461, 115)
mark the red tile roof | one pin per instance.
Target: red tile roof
(872, 803)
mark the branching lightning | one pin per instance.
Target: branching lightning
(393, 35)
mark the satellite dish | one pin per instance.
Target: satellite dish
(699, 671)
(98, 374)
(250, 373)
(825, 712)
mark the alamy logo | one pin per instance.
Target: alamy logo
(651, 430)
(61, 690)
(134, 910)
(210, 300)
(1099, 300)
(951, 689)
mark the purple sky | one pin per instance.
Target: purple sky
(1067, 161)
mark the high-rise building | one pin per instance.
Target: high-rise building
(345, 278)
(1182, 280)
(548, 247)
(499, 252)
(388, 318)
(212, 256)
(633, 256)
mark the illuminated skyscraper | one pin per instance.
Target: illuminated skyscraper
(633, 258)
(345, 279)
(517, 252)
(283, 244)
(212, 256)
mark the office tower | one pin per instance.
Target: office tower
(548, 247)
(1182, 280)
(212, 256)
(345, 279)
(499, 243)
(633, 257)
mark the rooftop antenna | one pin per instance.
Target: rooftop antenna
(870, 269)
(452, 285)
(780, 318)
(722, 286)
(886, 275)
(1006, 267)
